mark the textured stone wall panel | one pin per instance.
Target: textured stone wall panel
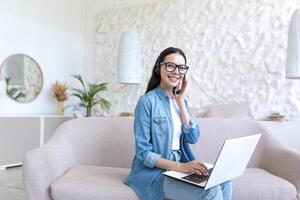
(236, 51)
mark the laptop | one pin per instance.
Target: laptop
(230, 163)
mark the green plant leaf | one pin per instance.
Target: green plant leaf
(79, 78)
(88, 95)
(77, 95)
(19, 95)
(78, 90)
(96, 88)
(7, 80)
(104, 104)
(81, 105)
(11, 91)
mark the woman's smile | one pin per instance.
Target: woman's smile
(173, 79)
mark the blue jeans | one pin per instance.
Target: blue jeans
(178, 190)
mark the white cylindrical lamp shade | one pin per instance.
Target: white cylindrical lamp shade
(129, 58)
(293, 50)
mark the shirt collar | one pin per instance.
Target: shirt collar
(161, 93)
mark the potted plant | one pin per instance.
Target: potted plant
(88, 95)
(60, 94)
(14, 92)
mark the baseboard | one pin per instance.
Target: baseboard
(4, 167)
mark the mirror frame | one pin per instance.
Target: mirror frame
(39, 67)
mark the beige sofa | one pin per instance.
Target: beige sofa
(88, 158)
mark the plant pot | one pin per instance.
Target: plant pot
(60, 108)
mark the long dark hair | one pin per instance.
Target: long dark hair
(155, 77)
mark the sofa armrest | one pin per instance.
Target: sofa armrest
(281, 161)
(43, 165)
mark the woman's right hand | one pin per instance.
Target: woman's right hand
(194, 166)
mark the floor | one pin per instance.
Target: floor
(11, 184)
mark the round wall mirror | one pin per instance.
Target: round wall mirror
(23, 77)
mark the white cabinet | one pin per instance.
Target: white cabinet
(19, 134)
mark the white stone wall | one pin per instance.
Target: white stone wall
(236, 51)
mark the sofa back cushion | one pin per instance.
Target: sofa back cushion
(106, 141)
(109, 141)
(214, 131)
(231, 110)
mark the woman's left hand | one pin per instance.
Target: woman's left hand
(180, 97)
(185, 116)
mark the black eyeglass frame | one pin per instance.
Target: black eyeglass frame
(176, 66)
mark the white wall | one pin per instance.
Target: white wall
(53, 32)
(236, 51)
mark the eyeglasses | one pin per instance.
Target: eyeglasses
(170, 67)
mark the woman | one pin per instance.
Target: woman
(163, 128)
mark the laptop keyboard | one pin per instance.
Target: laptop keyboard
(195, 178)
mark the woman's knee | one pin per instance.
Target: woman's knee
(226, 190)
(214, 193)
(226, 185)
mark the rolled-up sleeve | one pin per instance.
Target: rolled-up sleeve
(151, 159)
(142, 131)
(191, 132)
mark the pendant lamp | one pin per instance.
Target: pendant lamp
(129, 58)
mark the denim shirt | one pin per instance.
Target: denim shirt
(153, 129)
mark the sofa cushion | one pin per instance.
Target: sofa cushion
(259, 184)
(97, 182)
(232, 110)
(92, 182)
